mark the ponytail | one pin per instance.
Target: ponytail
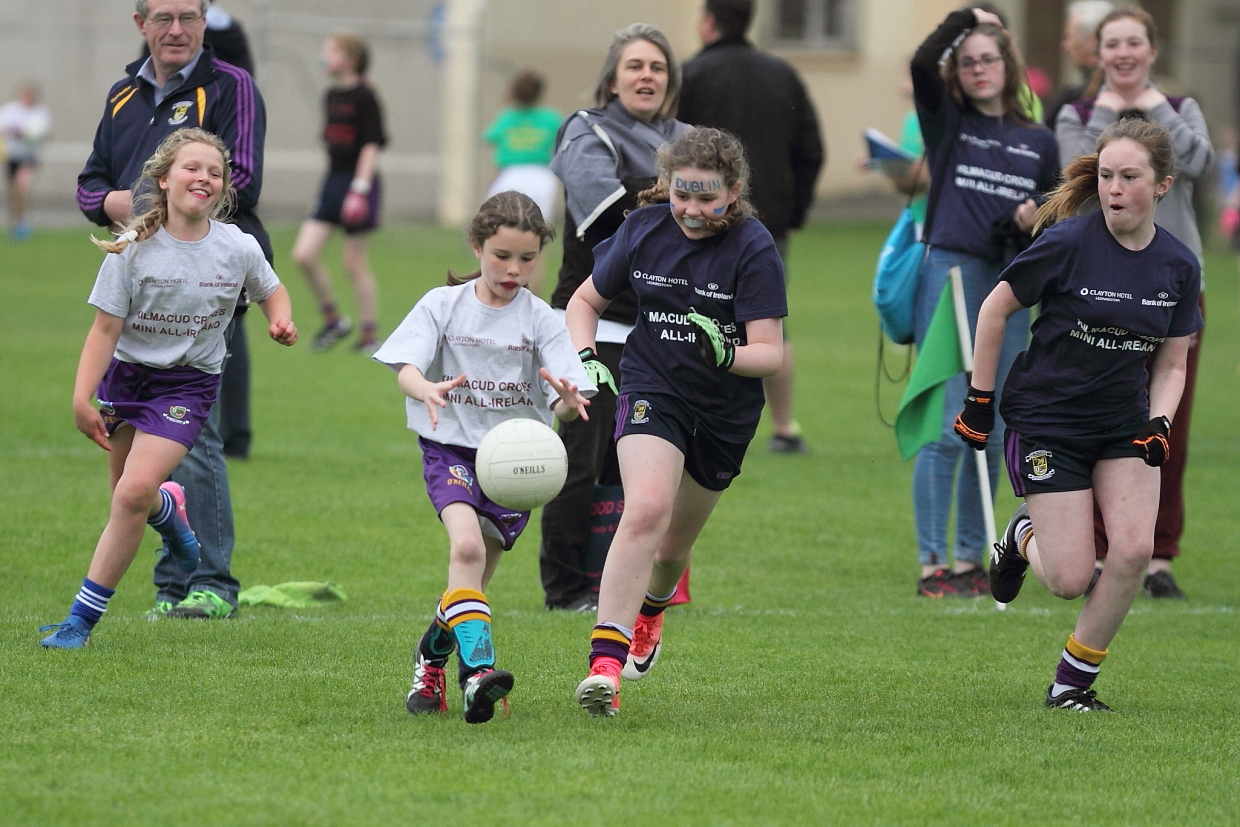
(1079, 185)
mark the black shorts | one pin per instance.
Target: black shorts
(13, 166)
(1042, 464)
(712, 462)
(331, 199)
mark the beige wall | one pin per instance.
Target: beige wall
(436, 162)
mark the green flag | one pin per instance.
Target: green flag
(920, 419)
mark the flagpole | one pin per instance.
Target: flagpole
(966, 357)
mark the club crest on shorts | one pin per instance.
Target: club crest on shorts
(641, 412)
(1040, 464)
(178, 411)
(180, 112)
(460, 476)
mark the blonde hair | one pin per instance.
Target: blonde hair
(710, 150)
(150, 205)
(1080, 178)
(504, 209)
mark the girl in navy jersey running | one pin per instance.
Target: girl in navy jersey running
(710, 293)
(154, 354)
(1113, 288)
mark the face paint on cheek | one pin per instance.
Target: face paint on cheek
(721, 210)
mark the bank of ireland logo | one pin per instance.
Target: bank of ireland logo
(1040, 464)
(462, 474)
(712, 286)
(641, 412)
(1162, 295)
(180, 112)
(178, 412)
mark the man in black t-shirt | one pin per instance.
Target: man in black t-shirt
(758, 97)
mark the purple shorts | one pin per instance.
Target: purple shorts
(173, 403)
(450, 478)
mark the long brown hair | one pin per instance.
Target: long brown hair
(1013, 72)
(504, 209)
(1151, 34)
(150, 206)
(1081, 176)
(711, 150)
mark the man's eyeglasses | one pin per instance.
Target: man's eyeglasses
(164, 21)
(967, 63)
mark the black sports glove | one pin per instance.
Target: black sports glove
(596, 370)
(1153, 440)
(977, 420)
(717, 351)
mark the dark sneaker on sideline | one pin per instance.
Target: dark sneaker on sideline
(203, 605)
(788, 444)
(429, 691)
(1077, 700)
(331, 333)
(972, 583)
(585, 603)
(1007, 567)
(1161, 584)
(483, 690)
(938, 583)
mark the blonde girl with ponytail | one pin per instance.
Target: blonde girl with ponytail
(164, 297)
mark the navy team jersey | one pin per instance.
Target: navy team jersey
(1105, 308)
(733, 277)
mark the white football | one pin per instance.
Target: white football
(521, 464)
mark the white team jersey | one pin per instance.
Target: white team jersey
(177, 297)
(499, 349)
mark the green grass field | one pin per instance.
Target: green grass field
(805, 684)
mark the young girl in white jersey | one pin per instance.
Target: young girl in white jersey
(153, 356)
(1113, 289)
(710, 295)
(470, 355)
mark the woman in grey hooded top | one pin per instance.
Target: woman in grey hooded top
(604, 156)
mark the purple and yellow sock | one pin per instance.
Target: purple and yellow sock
(330, 314)
(467, 615)
(654, 605)
(1024, 533)
(1078, 667)
(91, 601)
(610, 640)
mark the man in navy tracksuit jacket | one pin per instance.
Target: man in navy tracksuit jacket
(182, 85)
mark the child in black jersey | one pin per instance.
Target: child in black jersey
(1113, 288)
(349, 197)
(710, 294)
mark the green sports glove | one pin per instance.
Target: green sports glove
(597, 371)
(715, 349)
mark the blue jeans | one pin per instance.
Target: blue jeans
(203, 474)
(938, 474)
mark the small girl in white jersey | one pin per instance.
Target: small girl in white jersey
(470, 355)
(154, 353)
